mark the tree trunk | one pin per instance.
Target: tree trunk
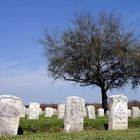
(104, 99)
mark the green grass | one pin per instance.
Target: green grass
(52, 129)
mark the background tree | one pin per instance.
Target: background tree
(95, 50)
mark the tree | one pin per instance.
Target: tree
(95, 50)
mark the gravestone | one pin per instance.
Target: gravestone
(54, 111)
(60, 111)
(33, 112)
(118, 112)
(90, 112)
(48, 112)
(27, 111)
(23, 112)
(85, 112)
(135, 112)
(74, 114)
(100, 112)
(40, 111)
(10, 109)
(129, 112)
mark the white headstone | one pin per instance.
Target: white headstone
(33, 112)
(54, 111)
(60, 111)
(107, 112)
(10, 109)
(27, 111)
(23, 112)
(85, 112)
(74, 114)
(135, 112)
(40, 111)
(100, 112)
(48, 112)
(129, 112)
(90, 112)
(118, 112)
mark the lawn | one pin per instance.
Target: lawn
(52, 129)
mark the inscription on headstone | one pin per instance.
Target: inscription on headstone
(118, 112)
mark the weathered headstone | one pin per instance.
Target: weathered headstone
(10, 109)
(33, 112)
(23, 112)
(60, 111)
(74, 114)
(129, 112)
(48, 112)
(100, 112)
(90, 112)
(135, 112)
(118, 112)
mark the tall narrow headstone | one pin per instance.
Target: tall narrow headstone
(118, 112)
(90, 112)
(60, 111)
(74, 114)
(33, 112)
(10, 109)
(100, 112)
(135, 112)
(48, 112)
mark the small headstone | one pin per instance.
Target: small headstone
(85, 112)
(129, 112)
(23, 112)
(54, 111)
(27, 111)
(107, 112)
(118, 112)
(135, 112)
(100, 112)
(10, 109)
(60, 111)
(40, 111)
(90, 112)
(48, 112)
(33, 112)
(74, 114)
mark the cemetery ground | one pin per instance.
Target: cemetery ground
(51, 128)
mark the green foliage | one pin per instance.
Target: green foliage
(52, 129)
(43, 124)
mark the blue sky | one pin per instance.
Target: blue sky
(22, 65)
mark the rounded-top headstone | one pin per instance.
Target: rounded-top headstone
(90, 112)
(33, 112)
(10, 109)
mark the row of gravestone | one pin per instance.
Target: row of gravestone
(34, 111)
(11, 106)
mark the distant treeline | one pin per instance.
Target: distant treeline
(97, 105)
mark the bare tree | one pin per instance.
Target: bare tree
(95, 50)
